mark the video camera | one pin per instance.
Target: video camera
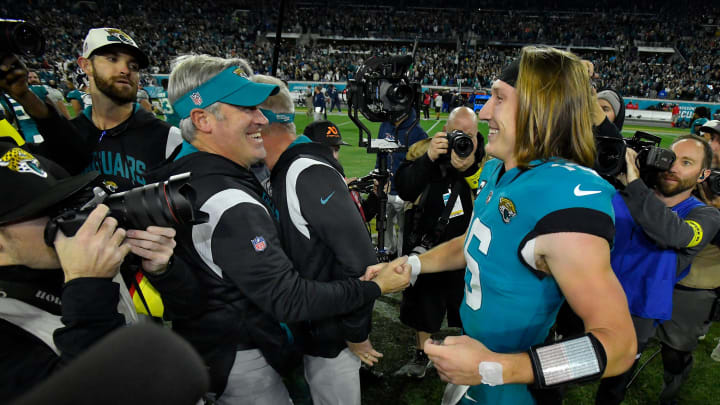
(651, 158)
(365, 184)
(382, 91)
(713, 182)
(167, 203)
(21, 38)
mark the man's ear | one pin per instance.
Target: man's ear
(201, 119)
(703, 175)
(86, 65)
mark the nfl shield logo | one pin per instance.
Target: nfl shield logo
(259, 243)
(196, 98)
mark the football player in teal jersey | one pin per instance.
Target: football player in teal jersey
(541, 232)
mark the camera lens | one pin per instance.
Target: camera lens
(463, 146)
(20, 37)
(399, 94)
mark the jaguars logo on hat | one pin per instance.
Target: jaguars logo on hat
(19, 160)
(507, 209)
(115, 34)
(240, 72)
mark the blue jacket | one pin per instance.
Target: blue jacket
(389, 132)
(648, 272)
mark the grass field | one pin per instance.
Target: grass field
(394, 340)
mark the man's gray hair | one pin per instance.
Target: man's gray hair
(191, 71)
(280, 103)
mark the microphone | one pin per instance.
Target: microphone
(140, 364)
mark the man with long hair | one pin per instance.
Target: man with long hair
(541, 232)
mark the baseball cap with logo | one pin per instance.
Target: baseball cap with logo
(36, 183)
(324, 132)
(101, 37)
(231, 86)
(711, 126)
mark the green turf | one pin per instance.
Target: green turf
(392, 339)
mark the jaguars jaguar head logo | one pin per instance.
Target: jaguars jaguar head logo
(20, 161)
(507, 209)
(116, 35)
(110, 185)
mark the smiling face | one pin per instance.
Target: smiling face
(236, 134)
(500, 112)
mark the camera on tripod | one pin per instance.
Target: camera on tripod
(366, 184)
(167, 203)
(651, 158)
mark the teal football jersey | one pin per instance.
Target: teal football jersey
(509, 305)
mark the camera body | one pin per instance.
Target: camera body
(21, 38)
(713, 182)
(167, 203)
(460, 142)
(651, 158)
(383, 90)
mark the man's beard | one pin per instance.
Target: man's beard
(118, 96)
(670, 190)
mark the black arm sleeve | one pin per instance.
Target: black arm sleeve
(413, 175)
(266, 276)
(64, 143)
(180, 290)
(664, 226)
(347, 239)
(89, 312)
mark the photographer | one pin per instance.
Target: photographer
(674, 226)
(232, 284)
(55, 302)
(442, 186)
(397, 132)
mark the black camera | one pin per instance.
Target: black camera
(21, 38)
(460, 142)
(167, 203)
(713, 182)
(382, 89)
(365, 184)
(651, 158)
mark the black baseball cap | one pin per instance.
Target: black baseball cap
(324, 132)
(33, 183)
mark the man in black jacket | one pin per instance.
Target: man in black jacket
(442, 185)
(56, 301)
(231, 283)
(323, 234)
(114, 136)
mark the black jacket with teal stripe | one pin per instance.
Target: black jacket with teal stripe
(324, 235)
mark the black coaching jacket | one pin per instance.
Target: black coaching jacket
(231, 284)
(325, 237)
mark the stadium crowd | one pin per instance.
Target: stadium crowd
(453, 49)
(263, 261)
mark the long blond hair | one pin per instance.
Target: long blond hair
(554, 99)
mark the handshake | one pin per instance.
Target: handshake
(390, 277)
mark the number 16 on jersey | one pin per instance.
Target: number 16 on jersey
(477, 243)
